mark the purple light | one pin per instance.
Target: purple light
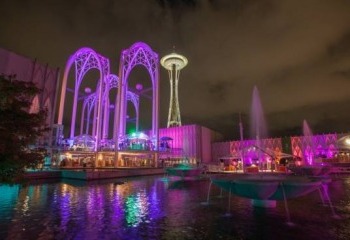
(95, 113)
(138, 54)
(139, 86)
(87, 90)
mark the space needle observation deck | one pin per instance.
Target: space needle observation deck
(174, 63)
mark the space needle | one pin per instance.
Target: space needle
(174, 63)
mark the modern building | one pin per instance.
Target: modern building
(196, 144)
(44, 76)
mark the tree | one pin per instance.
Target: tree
(19, 128)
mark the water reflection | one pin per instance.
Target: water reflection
(8, 197)
(136, 208)
(151, 208)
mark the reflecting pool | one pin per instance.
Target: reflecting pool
(157, 208)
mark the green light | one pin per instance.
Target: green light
(132, 214)
(137, 207)
(130, 129)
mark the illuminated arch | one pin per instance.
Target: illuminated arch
(48, 106)
(138, 54)
(88, 105)
(35, 106)
(84, 59)
(112, 81)
(134, 99)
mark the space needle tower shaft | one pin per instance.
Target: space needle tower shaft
(174, 63)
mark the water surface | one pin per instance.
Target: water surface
(154, 208)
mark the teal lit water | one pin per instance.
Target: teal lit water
(152, 208)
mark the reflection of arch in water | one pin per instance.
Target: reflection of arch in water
(138, 54)
(84, 59)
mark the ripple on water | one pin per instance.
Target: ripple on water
(151, 208)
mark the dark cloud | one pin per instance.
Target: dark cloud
(296, 52)
(175, 4)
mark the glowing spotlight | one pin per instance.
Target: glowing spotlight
(347, 141)
(87, 90)
(139, 86)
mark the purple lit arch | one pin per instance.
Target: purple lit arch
(138, 54)
(112, 81)
(88, 105)
(84, 60)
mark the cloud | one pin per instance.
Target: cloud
(296, 52)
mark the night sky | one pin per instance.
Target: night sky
(296, 52)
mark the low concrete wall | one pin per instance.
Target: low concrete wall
(340, 170)
(112, 173)
(42, 175)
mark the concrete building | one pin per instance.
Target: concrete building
(45, 78)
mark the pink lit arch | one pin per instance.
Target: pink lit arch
(112, 81)
(85, 59)
(138, 54)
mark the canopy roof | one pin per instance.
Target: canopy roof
(137, 135)
(84, 138)
(271, 153)
(165, 138)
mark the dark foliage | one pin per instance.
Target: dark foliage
(19, 128)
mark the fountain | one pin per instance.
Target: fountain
(310, 168)
(258, 129)
(264, 189)
(308, 137)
